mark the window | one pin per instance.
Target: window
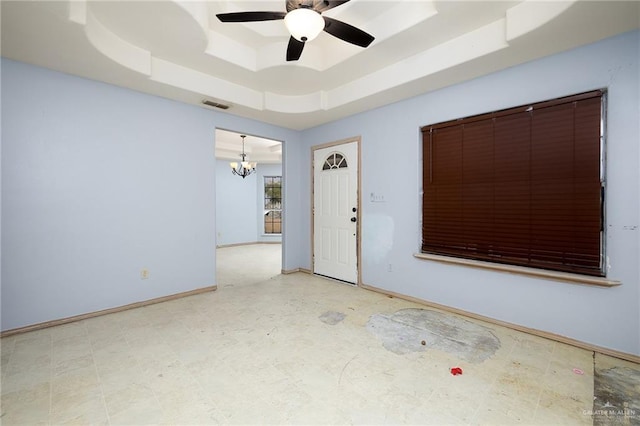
(334, 161)
(273, 204)
(521, 186)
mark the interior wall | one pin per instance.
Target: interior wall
(391, 152)
(99, 182)
(239, 205)
(236, 207)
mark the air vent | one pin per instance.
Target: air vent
(215, 104)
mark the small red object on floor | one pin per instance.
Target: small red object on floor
(456, 370)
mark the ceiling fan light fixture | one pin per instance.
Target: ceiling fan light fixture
(304, 24)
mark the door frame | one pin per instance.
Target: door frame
(283, 191)
(357, 140)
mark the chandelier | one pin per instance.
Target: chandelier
(245, 168)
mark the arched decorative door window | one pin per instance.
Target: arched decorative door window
(335, 161)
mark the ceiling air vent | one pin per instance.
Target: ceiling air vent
(215, 104)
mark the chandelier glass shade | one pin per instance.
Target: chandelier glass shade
(244, 168)
(304, 24)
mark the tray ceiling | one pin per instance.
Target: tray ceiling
(180, 50)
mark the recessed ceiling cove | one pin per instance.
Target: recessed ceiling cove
(182, 51)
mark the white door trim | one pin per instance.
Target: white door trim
(357, 140)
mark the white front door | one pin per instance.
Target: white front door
(335, 215)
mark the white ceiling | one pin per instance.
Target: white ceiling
(179, 49)
(258, 149)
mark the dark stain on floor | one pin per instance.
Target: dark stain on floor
(332, 317)
(414, 330)
(616, 396)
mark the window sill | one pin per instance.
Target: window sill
(522, 270)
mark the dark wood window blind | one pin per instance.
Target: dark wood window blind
(520, 186)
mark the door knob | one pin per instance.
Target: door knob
(353, 219)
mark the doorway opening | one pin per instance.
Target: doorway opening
(249, 209)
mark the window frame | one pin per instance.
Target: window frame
(500, 264)
(267, 210)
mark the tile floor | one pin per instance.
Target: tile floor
(257, 353)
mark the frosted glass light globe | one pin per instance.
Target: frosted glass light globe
(304, 24)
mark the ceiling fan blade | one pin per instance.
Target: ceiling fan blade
(294, 49)
(347, 32)
(324, 5)
(250, 16)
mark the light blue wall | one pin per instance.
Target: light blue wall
(99, 182)
(391, 167)
(239, 205)
(236, 207)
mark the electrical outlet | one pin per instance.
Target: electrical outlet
(389, 268)
(144, 274)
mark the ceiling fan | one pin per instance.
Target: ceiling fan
(304, 21)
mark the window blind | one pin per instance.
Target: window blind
(520, 186)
